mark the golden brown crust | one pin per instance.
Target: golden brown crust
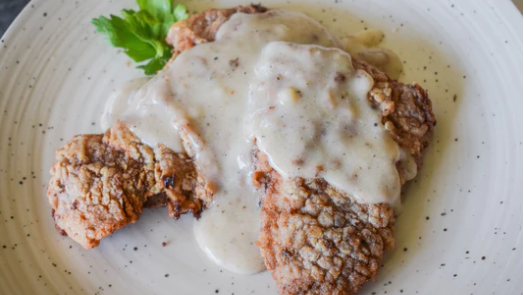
(406, 110)
(178, 178)
(100, 182)
(316, 239)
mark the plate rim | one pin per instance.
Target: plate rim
(513, 22)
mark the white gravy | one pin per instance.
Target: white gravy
(313, 119)
(141, 105)
(365, 46)
(217, 96)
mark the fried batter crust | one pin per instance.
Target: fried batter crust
(317, 239)
(99, 183)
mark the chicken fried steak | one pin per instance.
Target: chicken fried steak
(314, 237)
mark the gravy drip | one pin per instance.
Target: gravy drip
(365, 46)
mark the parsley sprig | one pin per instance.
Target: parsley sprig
(142, 33)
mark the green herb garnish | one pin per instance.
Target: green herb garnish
(142, 33)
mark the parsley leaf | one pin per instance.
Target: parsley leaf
(142, 33)
(180, 12)
(155, 64)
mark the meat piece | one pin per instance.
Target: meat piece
(100, 182)
(317, 239)
(314, 238)
(406, 110)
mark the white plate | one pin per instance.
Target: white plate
(461, 229)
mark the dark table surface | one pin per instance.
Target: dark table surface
(9, 9)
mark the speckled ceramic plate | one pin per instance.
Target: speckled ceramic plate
(461, 228)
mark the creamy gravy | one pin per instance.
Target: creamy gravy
(365, 46)
(216, 97)
(313, 119)
(141, 105)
